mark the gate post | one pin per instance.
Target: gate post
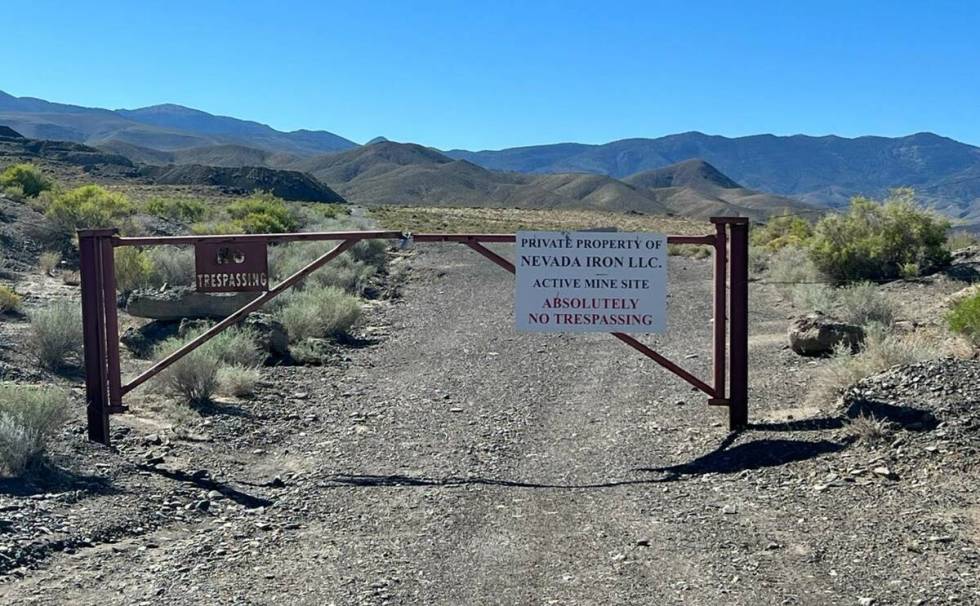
(738, 408)
(93, 284)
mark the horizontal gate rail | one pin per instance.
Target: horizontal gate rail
(104, 390)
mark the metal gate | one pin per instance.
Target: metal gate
(104, 388)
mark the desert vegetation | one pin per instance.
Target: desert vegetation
(29, 416)
(24, 181)
(197, 376)
(55, 336)
(964, 317)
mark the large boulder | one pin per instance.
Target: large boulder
(185, 302)
(818, 335)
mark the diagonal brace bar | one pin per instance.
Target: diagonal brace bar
(235, 317)
(632, 342)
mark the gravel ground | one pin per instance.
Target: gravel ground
(453, 461)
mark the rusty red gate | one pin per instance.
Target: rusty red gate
(104, 388)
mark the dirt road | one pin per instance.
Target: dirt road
(458, 462)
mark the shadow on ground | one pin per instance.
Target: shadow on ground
(203, 481)
(47, 478)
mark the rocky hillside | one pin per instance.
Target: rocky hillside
(68, 160)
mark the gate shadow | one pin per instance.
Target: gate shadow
(724, 459)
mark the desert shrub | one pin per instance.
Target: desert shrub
(758, 260)
(782, 231)
(194, 377)
(236, 347)
(238, 381)
(262, 213)
(171, 265)
(344, 272)
(881, 350)
(792, 265)
(9, 300)
(865, 304)
(880, 240)
(29, 416)
(25, 179)
(133, 269)
(55, 336)
(88, 206)
(49, 261)
(814, 297)
(318, 312)
(869, 430)
(964, 318)
(185, 210)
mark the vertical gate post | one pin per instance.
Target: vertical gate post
(93, 327)
(719, 350)
(738, 408)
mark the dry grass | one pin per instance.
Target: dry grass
(869, 430)
(29, 416)
(49, 262)
(56, 334)
(238, 381)
(318, 312)
(881, 350)
(508, 220)
(9, 300)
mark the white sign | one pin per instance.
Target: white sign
(591, 282)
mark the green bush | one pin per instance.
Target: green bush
(29, 416)
(262, 214)
(133, 269)
(9, 300)
(880, 240)
(26, 179)
(55, 336)
(318, 312)
(964, 318)
(86, 207)
(185, 210)
(782, 231)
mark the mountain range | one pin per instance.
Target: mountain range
(794, 171)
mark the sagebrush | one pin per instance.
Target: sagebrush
(318, 312)
(29, 416)
(55, 336)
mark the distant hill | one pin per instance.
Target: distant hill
(825, 171)
(75, 161)
(286, 184)
(409, 174)
(160, 127)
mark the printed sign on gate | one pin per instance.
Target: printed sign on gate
(231, 266)
(591, 282)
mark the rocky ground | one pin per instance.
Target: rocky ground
(451, 460)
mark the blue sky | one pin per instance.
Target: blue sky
(485, 75)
